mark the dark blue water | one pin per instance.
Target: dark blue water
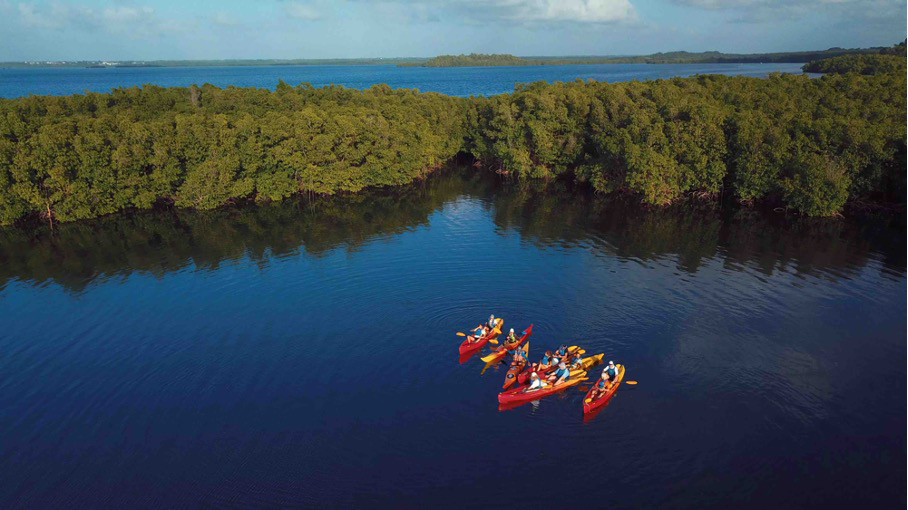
(304, 355)
(457, 81)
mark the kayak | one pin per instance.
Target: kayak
(590, 405)
(468, 346)
(522, 394)
(516, 368)
(524, 377)
(505, 347)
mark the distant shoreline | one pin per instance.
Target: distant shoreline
(474, 60)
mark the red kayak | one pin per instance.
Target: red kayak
(524, 377)
(468, 346)
(522, 394)
(503, 349)
(516, 368)
(590, 405)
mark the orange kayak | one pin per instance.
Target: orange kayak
(505, 347)
(523, 394)
(516, 368)
(590, 405)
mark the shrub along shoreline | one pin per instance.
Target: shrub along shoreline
(812, 144)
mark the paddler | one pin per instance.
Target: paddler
(609, 374)
(562, 351)
(478, 332)
(492, 321)
(519, 357)
(545, 362)
(535, 382)
(512, 337)
(577, 361)
(611, 370)
(561, 375)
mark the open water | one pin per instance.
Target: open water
(456, 81)
(304, 355)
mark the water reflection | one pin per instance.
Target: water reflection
(688, 234)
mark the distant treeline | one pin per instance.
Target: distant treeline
(472, 60)
(674, 57)
(860, 64)
(810, 144)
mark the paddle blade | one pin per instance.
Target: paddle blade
(630, 382)
(493, 341)
(461, 334)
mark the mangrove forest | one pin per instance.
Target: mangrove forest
(809, 145)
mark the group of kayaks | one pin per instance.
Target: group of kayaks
(517, 388)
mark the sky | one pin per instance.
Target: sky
(286, 29)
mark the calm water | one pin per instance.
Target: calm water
(458, 81)
(304, 354)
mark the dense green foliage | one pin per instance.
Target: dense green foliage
(474, 59)
(811, 144)
(78, 157)
(861, 64)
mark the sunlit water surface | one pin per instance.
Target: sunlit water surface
(304, 354)
(455, 81)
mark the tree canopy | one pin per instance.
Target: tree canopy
(810, 144)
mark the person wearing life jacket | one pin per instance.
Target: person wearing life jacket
(520, 357)
(609, 374)
(545, 362)
(478, 333)
(611, 370)
(602, 385)
(561, 375)
(512, 337)
(577, 360)
(492, 322)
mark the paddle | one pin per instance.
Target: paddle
(630, 382)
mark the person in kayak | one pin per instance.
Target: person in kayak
(512, 338)
(609, 374)
(561, 375)
(546, 361)
(577, 360)
(520, 357)
(478, 332)
(612, 370)
(601, 386)
(536, 383)
(492, 321)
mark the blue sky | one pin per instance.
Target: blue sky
(214, 29)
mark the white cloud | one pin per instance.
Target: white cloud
(223, 19)
(515, 11)
(582, 11)
(760, 11)
(123, 14)
(134, 21)
(301, 11)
